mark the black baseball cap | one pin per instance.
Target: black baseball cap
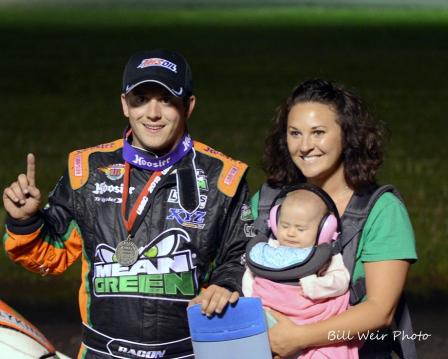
(164, 67)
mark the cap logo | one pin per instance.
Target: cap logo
(154, 61)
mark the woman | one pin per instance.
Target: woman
(323, 134)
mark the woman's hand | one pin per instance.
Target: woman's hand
(283, 336)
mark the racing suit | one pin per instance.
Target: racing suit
(139, 311)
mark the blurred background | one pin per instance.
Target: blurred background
(60, 69)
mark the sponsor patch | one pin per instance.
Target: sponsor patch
(217, 153)
(214, 152)
(138, 353)
(116, 200)
(230, 175)
(78, 165)
(246, 213)
(201, 179)
(103, 193)
(78, 162)
(103, 146)
(173, 197)
(249, 230)
(113, 172)
(103, 187)
(155, 61)
(191, 220)
(232, 171)
(165, 269)
(187, 143)
(139, 160)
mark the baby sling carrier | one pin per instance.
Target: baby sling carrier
(353, 221)
(320, 253)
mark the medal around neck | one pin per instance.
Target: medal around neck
(126, 253)
(144, 160)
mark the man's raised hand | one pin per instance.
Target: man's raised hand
(22, 198)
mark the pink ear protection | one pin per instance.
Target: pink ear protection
(329, 226)
(328, 229)
(273, 219)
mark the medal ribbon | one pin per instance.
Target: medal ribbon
(139, 206)
(144, 160)
(160, 165)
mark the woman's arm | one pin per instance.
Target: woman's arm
(384, 284)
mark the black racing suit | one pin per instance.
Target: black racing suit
(126, 309)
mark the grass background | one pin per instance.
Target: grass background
(60, 71)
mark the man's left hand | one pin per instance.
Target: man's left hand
(214, 299)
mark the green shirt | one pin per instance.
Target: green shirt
(387, 233)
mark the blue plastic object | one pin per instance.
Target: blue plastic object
(244, 319)
(239, 332)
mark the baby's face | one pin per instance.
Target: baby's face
(297, 226)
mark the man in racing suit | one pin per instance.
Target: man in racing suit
(155, 217)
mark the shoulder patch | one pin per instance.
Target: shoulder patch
(232, 171)
(78, 162)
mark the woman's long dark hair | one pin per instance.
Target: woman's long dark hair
(362, 138)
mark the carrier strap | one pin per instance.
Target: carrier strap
(353, 221)
(406, 345)
(266, 198)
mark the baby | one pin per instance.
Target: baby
(313, 297)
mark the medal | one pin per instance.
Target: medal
(126, 253)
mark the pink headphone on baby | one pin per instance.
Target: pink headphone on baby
(330, 224)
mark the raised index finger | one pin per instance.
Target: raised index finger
(31, 169)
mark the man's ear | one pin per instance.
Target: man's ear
(124, 105)
(189, 106)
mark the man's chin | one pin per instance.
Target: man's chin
(157, 148)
